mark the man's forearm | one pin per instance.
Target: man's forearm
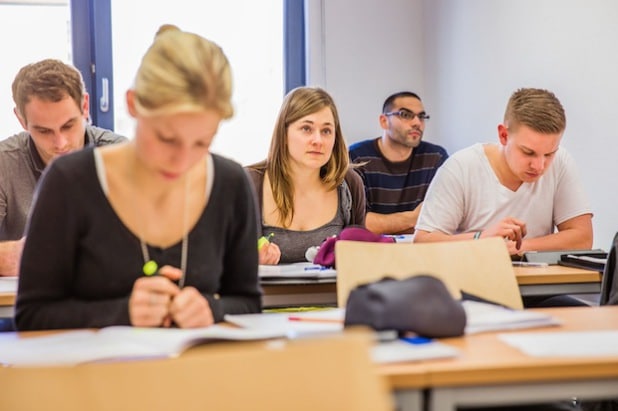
(10, 254)
(396, 223)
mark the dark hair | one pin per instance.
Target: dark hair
(388, 103)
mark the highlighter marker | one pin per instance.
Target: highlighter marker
(264, 240)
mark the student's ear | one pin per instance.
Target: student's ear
(86, 106)
(383, 122)
(21, 119)
(130, 96)
(503, 133)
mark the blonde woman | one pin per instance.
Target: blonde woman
(306, 190)
(160, 204)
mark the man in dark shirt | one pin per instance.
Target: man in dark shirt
(398, 166)
(51, 104)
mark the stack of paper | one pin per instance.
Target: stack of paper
(482, 317)
(295, 271)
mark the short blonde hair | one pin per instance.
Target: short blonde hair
(299, 103)
(535, 108)
(183, 72)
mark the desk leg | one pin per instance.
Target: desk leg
(409, 400)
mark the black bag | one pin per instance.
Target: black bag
(420, 304)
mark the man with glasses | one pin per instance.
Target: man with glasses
(51, 104)
(398, 166)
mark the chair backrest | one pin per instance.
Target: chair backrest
(609, 285)
(330, 373)
(480, 267)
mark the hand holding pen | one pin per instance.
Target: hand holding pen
(157, 301)
(268, 253)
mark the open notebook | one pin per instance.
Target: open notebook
(115, 343)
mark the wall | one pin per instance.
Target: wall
(362, 52)
(465, 58)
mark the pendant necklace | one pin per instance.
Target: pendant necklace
(150, 266)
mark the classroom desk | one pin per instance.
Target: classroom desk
(489, 372)
(8, 289)
(557, 279)
(299, 293)
(552, 280)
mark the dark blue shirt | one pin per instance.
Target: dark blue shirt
(392, 187)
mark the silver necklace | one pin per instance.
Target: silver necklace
(150, 266)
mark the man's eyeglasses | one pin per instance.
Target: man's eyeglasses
(408, 115)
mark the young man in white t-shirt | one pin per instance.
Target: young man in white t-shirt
(521, 189)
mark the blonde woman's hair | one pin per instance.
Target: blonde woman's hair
(298, 103)
(183, 72)
(535, 108)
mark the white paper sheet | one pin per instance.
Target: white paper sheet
(565, 344)
(482, 317)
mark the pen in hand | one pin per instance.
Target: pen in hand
(264, 240)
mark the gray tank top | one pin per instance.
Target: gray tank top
(294, 244)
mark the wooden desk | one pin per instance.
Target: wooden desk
(557, 279)
(329, 373)
(552, 280)
(489, 372)
(7, 299)
(8, 289)
(299, 293)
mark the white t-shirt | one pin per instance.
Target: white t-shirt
(466, 195)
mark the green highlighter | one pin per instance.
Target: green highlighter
(264, 240)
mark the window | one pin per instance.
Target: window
(251, 34)
(21, 46)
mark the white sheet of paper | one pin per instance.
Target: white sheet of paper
(481, 317)
(564, 344)
(311, 322)
(8, 284)
(401, 351)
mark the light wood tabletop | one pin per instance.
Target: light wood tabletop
(488, 364)
(555, 274)
(528, 278)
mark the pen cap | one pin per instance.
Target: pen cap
(421, 304)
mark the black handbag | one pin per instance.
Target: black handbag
(421, 304)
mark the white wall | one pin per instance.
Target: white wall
(465, 58)
(369, 49)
